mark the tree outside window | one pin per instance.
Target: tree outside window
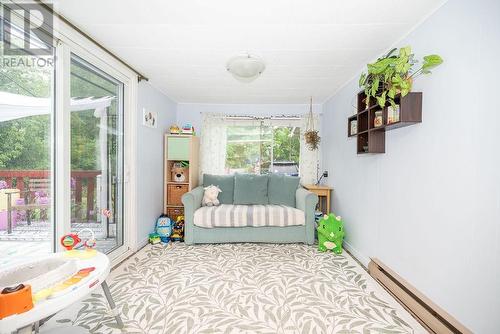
(263, 149)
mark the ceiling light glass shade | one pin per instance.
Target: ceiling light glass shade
(245, 68)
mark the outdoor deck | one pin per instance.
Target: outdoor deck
(29, 229)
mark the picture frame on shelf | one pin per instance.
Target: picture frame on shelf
(393, 114)
(354, 127)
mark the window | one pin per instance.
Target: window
(26, 151)
(262, 148)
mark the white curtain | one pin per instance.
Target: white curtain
(213, 144)
(309, 160)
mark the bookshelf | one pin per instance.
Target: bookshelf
(179, 150)
(371, 138)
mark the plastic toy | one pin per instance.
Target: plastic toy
(331, 233)
(34, 289)
(164, 228)
(15, 300)
(178, 229)
(154, 238)
(174, 129)
(188, 129)
(69, 241)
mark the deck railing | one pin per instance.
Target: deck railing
(83, 181)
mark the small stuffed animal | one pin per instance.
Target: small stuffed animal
(210, 196)
(331, 233)
(179, 174)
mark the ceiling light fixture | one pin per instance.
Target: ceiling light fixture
(245, 68)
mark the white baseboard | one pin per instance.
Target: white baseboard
(141, 244)
(357, 254)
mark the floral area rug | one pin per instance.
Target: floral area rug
(241, 288)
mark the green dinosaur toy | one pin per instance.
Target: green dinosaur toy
(330, 233)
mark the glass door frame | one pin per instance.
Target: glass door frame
(71, 42)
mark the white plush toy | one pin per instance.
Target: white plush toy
(210, 196)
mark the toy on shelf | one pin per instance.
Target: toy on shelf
(331, 233)
(164, 228)
(154, 238)
(178, 229)
(188, 129)
(174, 129)
(180, 171)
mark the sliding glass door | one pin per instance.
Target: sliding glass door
(62, 139)
(26, 148)
(96, 154)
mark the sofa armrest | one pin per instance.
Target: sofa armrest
(192, 202)
(306, 201)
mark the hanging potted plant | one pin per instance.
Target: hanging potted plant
(393, 74)
(311, 136)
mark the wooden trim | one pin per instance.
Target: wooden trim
(433, 317)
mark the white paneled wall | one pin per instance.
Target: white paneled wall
(430, 206)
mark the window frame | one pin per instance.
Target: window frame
(270, 123)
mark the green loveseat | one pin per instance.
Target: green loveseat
(254, 208)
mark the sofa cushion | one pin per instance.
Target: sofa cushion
(282, 188)
(250, 189)
(248, 216)
(225, 183)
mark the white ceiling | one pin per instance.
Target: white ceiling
(310, 47)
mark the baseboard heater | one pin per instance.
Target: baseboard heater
(431, 316)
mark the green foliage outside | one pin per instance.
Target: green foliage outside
(25, 142)
(251, 149)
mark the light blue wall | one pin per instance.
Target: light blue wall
(150, 157)
(430, 207)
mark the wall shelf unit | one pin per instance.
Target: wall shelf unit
(371, 138)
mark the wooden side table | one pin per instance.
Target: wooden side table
(323, 193)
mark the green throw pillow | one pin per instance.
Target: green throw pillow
(225, 183)
(250, 189)
(282, 189)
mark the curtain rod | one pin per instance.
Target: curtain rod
(140, 76)
(257, 118)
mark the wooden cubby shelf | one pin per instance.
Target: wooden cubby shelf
(371, 138)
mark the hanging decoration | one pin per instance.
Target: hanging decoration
(311, 135)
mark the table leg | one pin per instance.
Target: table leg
(112, 304)
(25, 330)
(328, 202)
